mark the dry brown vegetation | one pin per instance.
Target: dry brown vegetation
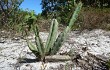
(89, 18)
(93, 18)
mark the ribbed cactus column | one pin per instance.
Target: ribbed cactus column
(62, 36)
(52, 36)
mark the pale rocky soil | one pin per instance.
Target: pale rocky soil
(89, 50)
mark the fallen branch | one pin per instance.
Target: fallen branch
(58, 58)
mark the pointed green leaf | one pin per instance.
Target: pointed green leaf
(33, 17)
(27, 17)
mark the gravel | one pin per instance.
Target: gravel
(89, 51)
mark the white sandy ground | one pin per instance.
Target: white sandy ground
(14, 50)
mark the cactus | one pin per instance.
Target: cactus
(62, 36)
(52, 35)
(53, 43)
